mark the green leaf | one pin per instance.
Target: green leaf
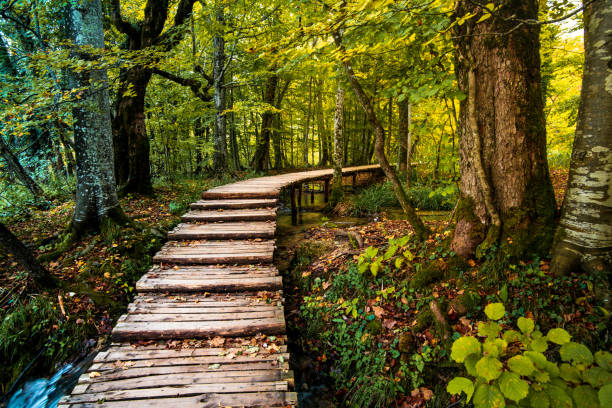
(521, 365)
(576, 353)
(597, 376)
(488, 329)
(362, 268)
(539, 399)
(604, 360)
(495, 311)
(463, 347)
(408, 255)
(513, 387)
(398, 262)
(494, 347)
(470, 364)
(558, 397)
(390, 252)
(488, 396)
(503, 293)
(511, 336)
(371, 251)
(558, 336)
(525, 325)
(542, 363)
(539, 345)
(569, 373)
(461, 384)
(605, 395)
(374, 268)
(489, 368)
(585, 397)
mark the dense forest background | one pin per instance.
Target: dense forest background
(115, 115)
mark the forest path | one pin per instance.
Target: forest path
(207, 328)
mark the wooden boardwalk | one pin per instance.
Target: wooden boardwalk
(207, 328)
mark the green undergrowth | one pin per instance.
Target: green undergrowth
(97, 278)
(371, 321)
(373, 199)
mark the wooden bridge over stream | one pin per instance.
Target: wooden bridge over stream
(207, 327)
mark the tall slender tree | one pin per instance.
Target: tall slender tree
(506, 192)
(337, 191)
(583, 240)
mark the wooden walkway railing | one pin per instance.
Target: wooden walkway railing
(207, 327)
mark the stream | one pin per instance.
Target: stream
(46, 392)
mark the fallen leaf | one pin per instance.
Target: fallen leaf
(94, 374)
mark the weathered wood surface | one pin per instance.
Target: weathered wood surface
(224, 230)
(213, 278)
(254, 214)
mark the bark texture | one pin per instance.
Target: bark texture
(262, 152)
(96, 199)
(337, 191)
(506, 192)
(219, 135)
(17, 170)
(583, 240)
(402, 133)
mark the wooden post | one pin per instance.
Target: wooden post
(293, 207)
(354, 181)
(299, 197)
(326, 188)
(312, 185)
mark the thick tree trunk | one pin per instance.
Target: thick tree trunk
(17, 170)
(583, 240)
(307, 128)
(24, 257)
(131, 142)
(96, 202)
(506, 192)
(337, 191)
(420, 230)
(220, 140)
(262, 151)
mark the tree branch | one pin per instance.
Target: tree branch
(199, 90)
(131, 30)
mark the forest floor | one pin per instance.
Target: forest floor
(372, 327)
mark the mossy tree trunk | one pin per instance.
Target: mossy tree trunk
(337, 191)
(262, 151)
(219, 67)
(506, 192)
(96, 203)
(583, 240)
(402, 133)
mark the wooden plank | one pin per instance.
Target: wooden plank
(234, 252)
(209, 363)
(182, 379)
(263, 214)
(213, 400)
(233, 204)
(212, 285)
(195, 310)
(181, 391)
(200, 317)
(212, 195)
(190, 330)
(226, 230)
(208, 270)
(129, 353)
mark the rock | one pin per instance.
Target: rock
(405, 343)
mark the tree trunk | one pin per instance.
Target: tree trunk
(220, 141)
(506, 192)
(583, 240)
(131, 143)
(337, 191)
(321, 127)
(402, 133)
(24, 257)
(420, 230)
(96, 202)
(262, 151)
(17, 170)
(307, 128)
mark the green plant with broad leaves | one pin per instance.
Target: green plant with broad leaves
(510, 368)
(397, 253)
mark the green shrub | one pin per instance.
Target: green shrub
(379, 196)
(510, 367)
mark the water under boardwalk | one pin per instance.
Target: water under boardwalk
(214, 291)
